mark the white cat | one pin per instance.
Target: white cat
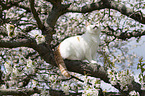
(80, 47)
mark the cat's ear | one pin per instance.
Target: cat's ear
(87, 23)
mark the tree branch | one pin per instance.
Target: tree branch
(9, 4)
(136, 15)
(86, 8)
(110, 4)
(23, 92)
(61, 93)
(55, 13)
(17, 43)
(23, 7)
(29, 28)
(35, 15)
(1, 77)
(55, 2)
(98, 72)
(124, 35)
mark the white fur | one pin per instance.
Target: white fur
(82, 47)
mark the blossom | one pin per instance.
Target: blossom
(30, 66)
(10, 30)
(65, 88)
(34, 82)
(90, 92)
(8, 67)
(134, 93)
(40, 39)
(124, 78)
(38, 36)
(29, 63)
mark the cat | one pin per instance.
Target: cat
(80, 47)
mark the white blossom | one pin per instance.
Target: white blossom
(134, 93)
(90, 92)
(40, 39)
(11, 30)
(16, 71)
(34, 82)
(124, 78)
(38, 36)
(65, 88)
(29, 63)
(8, 67)
(30, 66)
(95, 83)
(3, 87)
(73, 86)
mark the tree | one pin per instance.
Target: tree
(27, 58)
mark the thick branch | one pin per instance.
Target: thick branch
(87, 8)
(98, 72)
(75, 66)
(136, 15)
(16, 43)
(23, 92)
(55, 13)
(110, 4)
(55, 2)
(90, 69)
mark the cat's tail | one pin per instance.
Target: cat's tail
(60, 63)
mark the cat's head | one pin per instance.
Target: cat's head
(93, 29)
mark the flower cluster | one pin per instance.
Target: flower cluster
(8, 67)
(91, 90)
(134, 93)
(65, 88)
(30, 67)
(38, 36)
(40, 39)
(124, 78)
